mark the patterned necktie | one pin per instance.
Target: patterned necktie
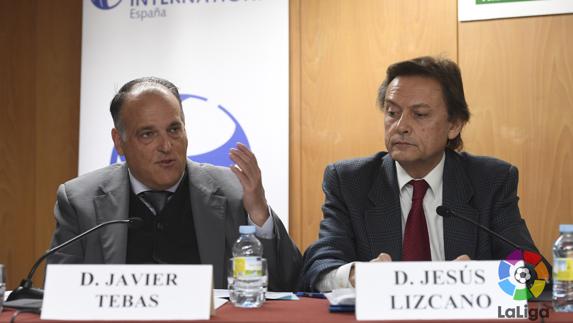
(416, 244)
(157, 199)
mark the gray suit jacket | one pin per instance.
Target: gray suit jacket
(217, 207)
(362, 214)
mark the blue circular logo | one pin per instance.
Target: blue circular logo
(106, 4)
(218, 155)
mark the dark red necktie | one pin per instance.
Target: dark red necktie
(416, 244)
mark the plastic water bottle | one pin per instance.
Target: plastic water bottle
(563, 270)
(248, 279)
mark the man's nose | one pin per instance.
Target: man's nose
(165, 143)
(403, 125)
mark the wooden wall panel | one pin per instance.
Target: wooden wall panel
(39, 87)
(17, 130)
(295, 183)
(345, 49)
(57, 79)
(518, 77)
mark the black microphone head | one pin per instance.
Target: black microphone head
(444, 211)
(135, 223)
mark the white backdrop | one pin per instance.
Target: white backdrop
(229, 60)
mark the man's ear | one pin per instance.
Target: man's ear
(117, 142)
(455, 129)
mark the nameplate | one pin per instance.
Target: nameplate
(128, 292)
(437, 290)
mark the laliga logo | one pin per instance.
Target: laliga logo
(522, 275)
(207, 125)
(105, 4)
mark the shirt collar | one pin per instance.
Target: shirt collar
(138, 187)
(433, 178)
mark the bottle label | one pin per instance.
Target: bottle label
(244, 267)
(563, 269)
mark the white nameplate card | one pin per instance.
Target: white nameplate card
(439, 290)
(128, 292)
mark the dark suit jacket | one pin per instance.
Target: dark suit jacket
(362, 215)
(217, 209)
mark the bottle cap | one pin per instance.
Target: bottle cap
(247, 229)
(566, 228)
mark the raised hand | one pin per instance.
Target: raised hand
(249, 174)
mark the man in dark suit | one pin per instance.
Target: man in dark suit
(191, 212)
(383, 207)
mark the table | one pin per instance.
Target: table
(309, 310)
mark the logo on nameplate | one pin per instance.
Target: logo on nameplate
(522, 276)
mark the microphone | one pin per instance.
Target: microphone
(25, 290)
(545, 295)
(445, 212)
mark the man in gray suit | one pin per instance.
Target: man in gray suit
(383, 207)
(191, 212)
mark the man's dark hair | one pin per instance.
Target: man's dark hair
(447, 73)
(119, 98)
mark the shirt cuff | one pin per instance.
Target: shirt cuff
(335, 279)
(267, 230)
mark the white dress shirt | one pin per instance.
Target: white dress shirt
(265, 231)
(339, 278)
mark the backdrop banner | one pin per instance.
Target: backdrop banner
(229, 59)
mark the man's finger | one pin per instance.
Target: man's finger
(245, 164)
(383, 257)
(240, 175)
(463, 258)
(246, 151)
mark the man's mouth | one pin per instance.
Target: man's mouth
(401, 143)
(166, 162)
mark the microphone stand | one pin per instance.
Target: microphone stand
(446, 213)
(25, 290)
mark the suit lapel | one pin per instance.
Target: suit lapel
(113, 204)
(383, 219)
(209, 218)
(460, 237)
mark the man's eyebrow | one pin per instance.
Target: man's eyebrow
(421, 105)
(389, 101)
(415, 106)
(145, 128)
